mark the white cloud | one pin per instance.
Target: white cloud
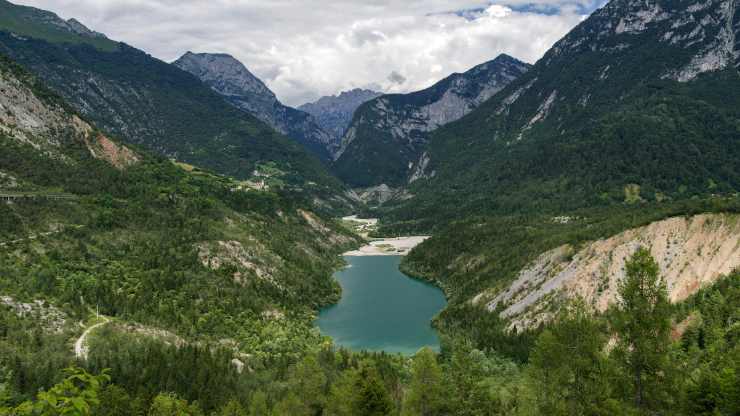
(305, 49)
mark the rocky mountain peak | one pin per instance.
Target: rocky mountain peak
(76, 26)
(385, 141)
(702, 33)
(26, 20)
(334, 113)
(225, 74)
(230, 78)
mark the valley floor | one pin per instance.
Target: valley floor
(398, 246)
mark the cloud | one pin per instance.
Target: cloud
(303, 49)
(396, 78)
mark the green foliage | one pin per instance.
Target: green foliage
(378, 155)
(711, 346)
(29, 21)
(371, 396)
(568, 369)
(76, 395)
(425, 395)
(258, 404)
(168, 111)
(170, 405)
(643, 323)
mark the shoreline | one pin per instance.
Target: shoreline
(397, 246)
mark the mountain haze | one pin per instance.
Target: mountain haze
(334, 113)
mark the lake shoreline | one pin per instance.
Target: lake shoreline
(395, 246)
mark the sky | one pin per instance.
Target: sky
(305, 49)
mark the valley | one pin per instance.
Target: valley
(184, 237)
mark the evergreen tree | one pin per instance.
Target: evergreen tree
(568, 371)
(76, 395)
(166, 404)
(466, 374)
(642, 323)
(258, 404)
(371, 396)
(232, 408)
(341, 395)
(425, 396)
(291, 405)
(308, 382)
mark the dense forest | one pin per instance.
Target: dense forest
(644, 356)
(150, 286)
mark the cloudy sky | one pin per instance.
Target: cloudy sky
(304, 49)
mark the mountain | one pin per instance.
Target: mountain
(147, 102)
(632, 118)
(42, 24)
(334, 113)
(88, 223)
(640, 96)
(385, 142)
(230, 78)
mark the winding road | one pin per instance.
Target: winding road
(80, 347)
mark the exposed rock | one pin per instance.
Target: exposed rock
(334, 113)
(7, 180)
(379, 195)
(45, 125)
(691, 253)
(317, 225)
(117, 155)
(387, 135)
(254, 259)
(51, 318)
(230, 78)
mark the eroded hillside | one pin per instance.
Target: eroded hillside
(691, 252)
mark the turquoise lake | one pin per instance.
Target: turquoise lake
(382, 308)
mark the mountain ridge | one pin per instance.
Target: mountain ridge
(334, 112)
(233, 80)
(144, 101)
(385, 141)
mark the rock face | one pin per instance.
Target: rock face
(230, 78)
(615, 91)
(691, 253)
(48, 126)
(334, 113)
(145, 101)
(385, 141)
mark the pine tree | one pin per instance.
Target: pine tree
(425, 396)
(371, 397)
(642, 323)
(232, 408)
(568, 372)
(258, 404)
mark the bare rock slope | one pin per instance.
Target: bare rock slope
(691, 253)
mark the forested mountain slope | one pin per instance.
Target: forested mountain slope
(120, 201)
(148, 102)
(385, 142)
(230, 78)
(631, 118)
(88, 224)
(641, 96)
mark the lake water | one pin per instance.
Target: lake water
(381, 308)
